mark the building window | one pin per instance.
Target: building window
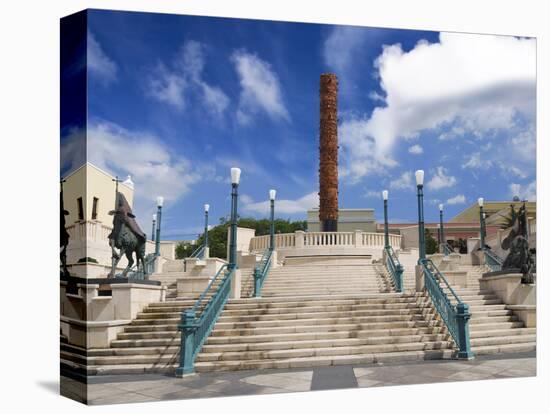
(80, 209)
(94, 208)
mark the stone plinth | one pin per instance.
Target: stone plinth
(199, 273)
(97, 309)
(520, 298)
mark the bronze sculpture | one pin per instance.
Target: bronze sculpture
(126, 236)
(64, 236)
(519, 257)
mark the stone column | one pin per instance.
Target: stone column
(328, 153)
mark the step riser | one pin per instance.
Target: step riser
(312, 316)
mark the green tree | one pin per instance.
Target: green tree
(431, 243)
(217, 235)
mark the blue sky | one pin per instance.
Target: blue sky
(176, 101)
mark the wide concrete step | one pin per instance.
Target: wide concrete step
(491, 325)
(319, 315)
(301, 298)
(318, 361)
(168, 349)
(321, 309)
(503, 349)
(503, 340)
(329, 327)
(343, 319)
(320, 352)
(492, 319)
(323, 343)
(282, 339)
(169, 368)
(279, 327)
(329, 281)
(502, 332)
(318, 291)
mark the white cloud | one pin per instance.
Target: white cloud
(525, 192)
(466, 83)
(260, 88)
(511, 170)
(477, 161)
(215, 100)
(73, 150)
(441, 180)
(301, 205)
(373, 194)
(416, 149)
(405, 181)
(524, 145)
(184, 80)
(341, 46)
(100, 66)
(168, 87)
(458, 199)
(154, 168)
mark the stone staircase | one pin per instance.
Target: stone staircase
(320, 279)
(307, 316)
(310, 315)
(493, 327)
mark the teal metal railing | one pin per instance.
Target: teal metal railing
(492, 260)
(261, 271)
(454, 313)
(447, 249)
(197, 322)
(198, 253)
(394, 268)
(139, 273)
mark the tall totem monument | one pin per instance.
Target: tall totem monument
(328, 152)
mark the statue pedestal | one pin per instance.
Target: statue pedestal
(521, 298)
(94, 311)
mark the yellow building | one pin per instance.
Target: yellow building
(89, 194)
(496, 212)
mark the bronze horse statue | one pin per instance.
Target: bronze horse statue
(519, 256)
(63, 237)
(126, 236)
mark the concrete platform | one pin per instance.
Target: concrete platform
(155, 387)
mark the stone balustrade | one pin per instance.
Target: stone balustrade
(354, 242)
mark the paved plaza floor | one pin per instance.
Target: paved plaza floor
(151, 387)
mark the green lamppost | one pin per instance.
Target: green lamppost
(160, 202)
(386, 230)
(206, 209)
(419, 175)
(272, 194)
(481, 223)
(235, 178)
(154, 227)
(442, 231)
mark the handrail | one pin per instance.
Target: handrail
(447, 249)
(395, 268)
(261, 271)
(205, 291)
(199, 252)
(142, 274)
(492, 260)
(195, 331)
(455, 316)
